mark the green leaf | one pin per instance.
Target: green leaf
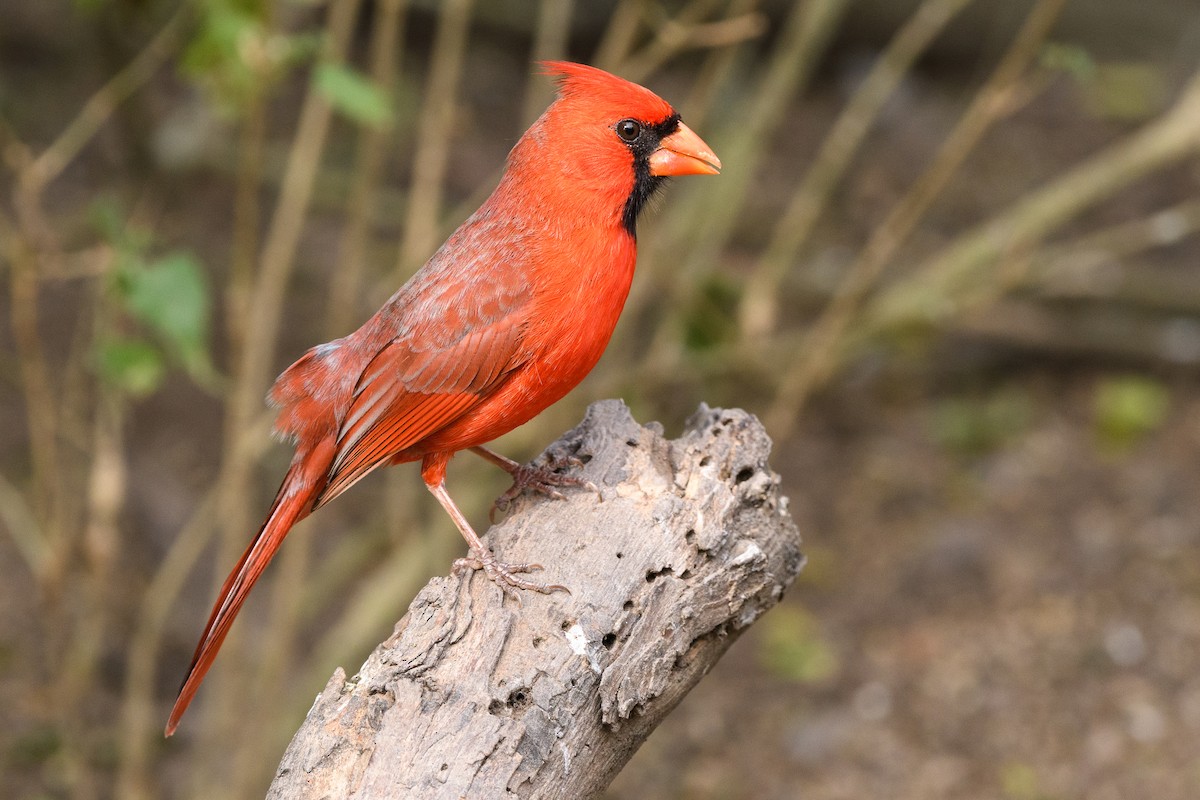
(136, 367)
(1129, 407)
(235, 55)
(216, 56)
(171, 297)
(353, 94)
(1069, 58)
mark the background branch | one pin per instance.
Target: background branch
(817, 357)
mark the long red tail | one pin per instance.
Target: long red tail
(292, 503)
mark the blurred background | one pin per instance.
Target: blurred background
(953, 263)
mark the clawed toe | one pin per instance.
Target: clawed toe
(543, 480)
(507, 576)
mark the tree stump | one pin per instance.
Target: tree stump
(476, 695)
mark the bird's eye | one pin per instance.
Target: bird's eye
(629, 129)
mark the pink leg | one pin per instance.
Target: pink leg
(505, 575)
(526, 476)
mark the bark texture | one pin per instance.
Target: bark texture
(476, 695)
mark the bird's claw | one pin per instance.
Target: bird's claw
(507, 576)
(543, 480)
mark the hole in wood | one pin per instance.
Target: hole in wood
(653, 574)
(518, 698)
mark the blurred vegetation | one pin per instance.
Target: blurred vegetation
(222, 183)
(793, 648)
(1128, 407)
(972, 426)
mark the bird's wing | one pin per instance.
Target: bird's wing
(411, 389)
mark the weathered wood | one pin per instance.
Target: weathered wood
(479, 696)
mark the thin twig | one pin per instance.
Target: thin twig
(432, 154)
(715, 72)
(279, 250)
(550, 38)
(698, 231)
(17, 517)
(345, 282)
(138, 725)
(38, 394)
(247, 214)
(951, 281)
(760, 303)
(817, 358)
(1165, 227)
(687, 30)
(620, 34)
(100, 106)
(91, 618)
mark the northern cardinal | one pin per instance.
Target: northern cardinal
(506, 318)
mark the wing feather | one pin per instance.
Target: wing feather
(409, 420)
(412, 389)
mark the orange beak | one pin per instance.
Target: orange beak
(684, 153)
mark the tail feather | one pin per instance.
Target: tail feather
(292, 503)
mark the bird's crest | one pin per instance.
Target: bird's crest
(603, 89)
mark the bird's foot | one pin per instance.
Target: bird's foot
(546, 480)
(507, 576)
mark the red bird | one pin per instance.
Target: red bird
(507, 317)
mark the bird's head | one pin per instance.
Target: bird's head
(612, 141)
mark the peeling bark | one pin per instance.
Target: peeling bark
(478, 696)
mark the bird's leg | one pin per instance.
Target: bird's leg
(527, 476)
(505, 575)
